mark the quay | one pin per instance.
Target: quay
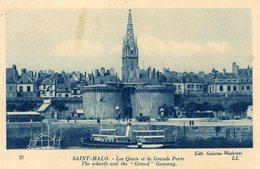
(232, 133)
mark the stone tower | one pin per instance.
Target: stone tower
(129, 53)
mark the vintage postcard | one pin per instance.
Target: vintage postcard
(122, 84)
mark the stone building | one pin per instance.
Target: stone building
(26, 86)
(47, 88)
(245, 78)
(138, 93)
(224, 83)
(11, 81)
(48, 111)
(239, 81)
(63, 89)
(190, 84)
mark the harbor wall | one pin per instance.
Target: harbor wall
(18, 134)
(225, 101)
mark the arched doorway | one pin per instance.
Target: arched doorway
(128, 102)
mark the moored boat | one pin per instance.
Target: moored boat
(109, 138)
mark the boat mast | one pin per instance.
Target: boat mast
(42, 136)
(48, 141)
(149, 120)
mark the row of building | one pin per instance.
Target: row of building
(48, 84)
(52, 84)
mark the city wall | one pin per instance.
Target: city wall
(146, 102)
(226, 101)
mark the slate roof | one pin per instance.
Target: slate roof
(24, 79)
(226, 78)
(245, 73)
(47, 81)
(63, 87)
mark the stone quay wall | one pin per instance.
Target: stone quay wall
(18, 134)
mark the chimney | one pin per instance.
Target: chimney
(224, 72)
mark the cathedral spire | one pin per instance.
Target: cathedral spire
(129, 52)
(130, 30)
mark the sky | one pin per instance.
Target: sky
(87, 39)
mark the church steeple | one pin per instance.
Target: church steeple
(129, 52)
(130, 29)
(130, 43)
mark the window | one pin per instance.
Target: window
(228, 88)
(179, 87)
(66, 95)
(247, 87)
(10, 88)
(221, 88)
(60, 95)
(28, 88)
(20, 88)
(242, 87)
(234, 88)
